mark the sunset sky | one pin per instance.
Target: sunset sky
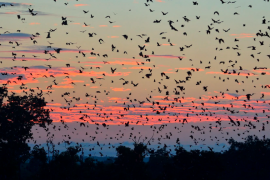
(224, 59)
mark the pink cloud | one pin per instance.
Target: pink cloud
(11, 12)
(267, 93)
(54, 104)
(28, 4)
(123, 62)
(167, 56)
(68, 81)
(34, 23)
(42, 51)
(63, 87)
(119, 89)
(128, 59)
(195, 69)
(28, 59)
(243, 35)
(78, 5)
(232, 74)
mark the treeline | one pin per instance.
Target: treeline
(243, 160)
(18, 115)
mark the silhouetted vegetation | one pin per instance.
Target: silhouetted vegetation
(246, 160)
(17, 117)
(243, 160)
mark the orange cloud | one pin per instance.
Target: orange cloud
(129, 59)
(116, 26)
(113, 36)
(266, 93)
(119, 89)
(262, 71)
(28, 4)
(42, 51)
(54, 104)
(243, 35)
(195, 69)
(232, 74)
(166, 56)
(111, 114)
(28, 59)
(11, 12)
(33, 23)
(114, 98)
(68, 81)
(77, 5)
(63, 87)
(13, 81)
(123, 62)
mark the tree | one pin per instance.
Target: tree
(39, 154)
(18, 114)
(128, 156)
(65, 165)
(37, 163)
(130, 161)
(158, 162)
(251, 156)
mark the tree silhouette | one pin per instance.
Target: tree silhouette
(39, 154)
(251, 156)
(158, 162)
(37, 163)
(18, 114)
(130, 161)
(65, 165)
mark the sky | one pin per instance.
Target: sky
(110, 74)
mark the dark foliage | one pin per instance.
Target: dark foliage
(17, 117)
(243, 160)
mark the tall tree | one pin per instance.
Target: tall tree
(18, 114)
